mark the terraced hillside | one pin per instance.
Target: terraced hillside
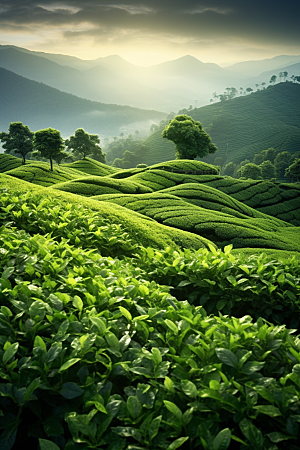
(243, 126)
(90, 186)
(219, 227)
(91, 167)
(39, 173)
(176, 194)
(141, 229)
(280, 200)
(8, 162)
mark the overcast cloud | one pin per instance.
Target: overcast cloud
(154, 30)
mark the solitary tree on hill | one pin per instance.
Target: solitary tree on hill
(273, 79)
(85, 144)
(18, 139)
(49, 144)
(189, 136)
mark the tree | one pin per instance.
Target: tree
(273, 79)
(49, 144)
(229, 169)
(189, 136)
(267, 170)
(85, 144)
(18, 139)
(258, 158)
(293, 171)
(249, 90)
(282, 162)
(251, 171)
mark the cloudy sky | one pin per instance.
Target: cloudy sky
(147, 32)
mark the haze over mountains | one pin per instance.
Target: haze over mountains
(40, 106)
(165, 87)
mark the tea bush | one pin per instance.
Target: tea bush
(78, 219)
(92, 355)
(40, 173)
(217, 226)
(91, 167)
(238, 284)
(101, 185)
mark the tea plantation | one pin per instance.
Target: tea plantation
(128, 321)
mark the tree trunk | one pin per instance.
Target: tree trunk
(23, 159)
(51, 165)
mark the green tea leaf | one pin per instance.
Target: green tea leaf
(222, 440)
(173, 409)
(252, 433)
(252, 366)
(47, 445)
(156, 355)
(269, 410)
(10, 352)
(77, 303)
(227, 357)
(154, 427)
(189, 388)
(276, 436)
(112, 340)
(38, 342)
(68, 364)
(169, 384)
(37, 309)
(7, 272)
(178, 443)
(172, 326)
(99, 324)
(126, 313)
(70, 390)
(31, 388)
(134, 406)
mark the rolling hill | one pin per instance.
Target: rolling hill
(256, 67)
(219, 209)
(243, 126)
(40, 106)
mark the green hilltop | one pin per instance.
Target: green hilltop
(242, 126)
(185, 196)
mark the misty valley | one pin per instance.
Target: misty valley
(150, 249)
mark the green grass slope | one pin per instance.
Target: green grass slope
(280, 200)
(9, 162)
(248, 124)
(90, 186)
(38, 172)
(219, 227)
(143, 230)
(91, 167)
(216, 200)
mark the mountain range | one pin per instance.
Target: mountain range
(168, 86)
(40, 106)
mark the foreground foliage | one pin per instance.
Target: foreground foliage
(95, 356)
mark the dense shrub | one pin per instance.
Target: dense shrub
(236, 285)
(94, 356)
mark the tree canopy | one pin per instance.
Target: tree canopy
(251, 170)
(18, 139)
(293, 171)
(189, 136)
(49, 144)
(85, 144)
